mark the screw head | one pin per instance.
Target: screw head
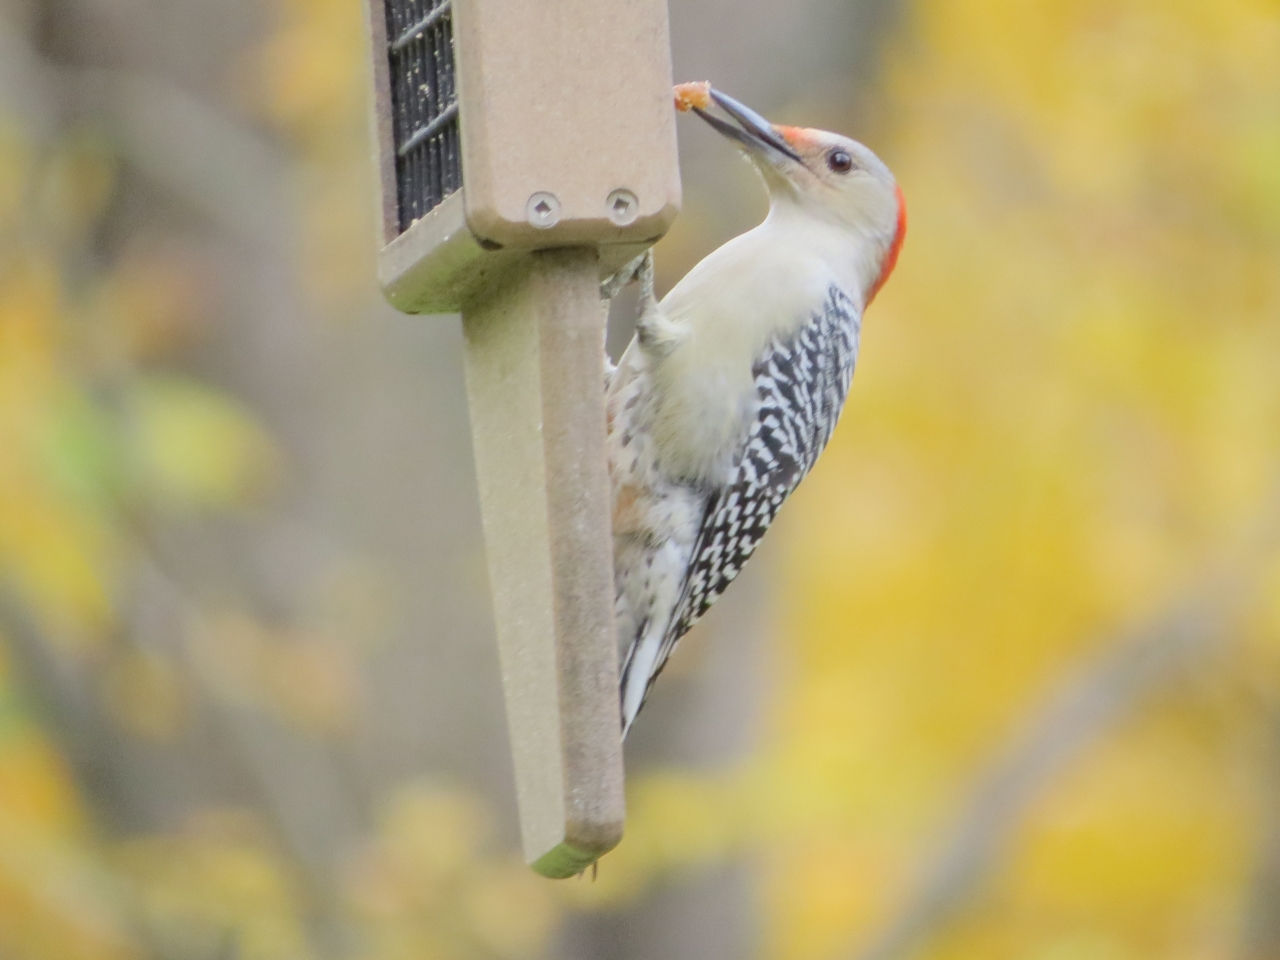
(623, 207)
(542, 210)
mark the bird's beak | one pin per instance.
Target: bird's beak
(753, 131)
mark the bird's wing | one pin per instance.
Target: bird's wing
(801, 383)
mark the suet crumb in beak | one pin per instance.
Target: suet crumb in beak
(691, 95)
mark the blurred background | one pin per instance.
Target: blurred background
(1003, 683)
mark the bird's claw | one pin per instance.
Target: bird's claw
(637, 269)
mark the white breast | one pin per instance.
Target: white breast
(715, 324)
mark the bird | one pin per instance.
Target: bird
(732, 385)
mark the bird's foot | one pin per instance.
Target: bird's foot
(632, 271)
(644, 275)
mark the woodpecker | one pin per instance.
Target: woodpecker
(731, 388)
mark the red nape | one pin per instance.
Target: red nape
(891, 258)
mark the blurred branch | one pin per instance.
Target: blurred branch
(199, 153)
(62, 691)
(1086, 706)
(298, 788)
(1260, 938)
(184, 143)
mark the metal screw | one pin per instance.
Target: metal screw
(623, 207)
(542, 210)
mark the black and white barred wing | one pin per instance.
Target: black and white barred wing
(802, 383)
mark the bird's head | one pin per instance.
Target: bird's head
(824, 175)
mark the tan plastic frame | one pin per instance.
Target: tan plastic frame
(571, 99)
(567, 98)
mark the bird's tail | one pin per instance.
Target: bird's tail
(638, 670)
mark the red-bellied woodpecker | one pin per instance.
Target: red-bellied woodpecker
(733, 383)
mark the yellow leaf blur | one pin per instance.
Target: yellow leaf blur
(198, 447)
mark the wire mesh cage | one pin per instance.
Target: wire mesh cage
(424, 105)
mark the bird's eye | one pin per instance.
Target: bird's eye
(840, 161)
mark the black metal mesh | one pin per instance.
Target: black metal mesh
(424, 105)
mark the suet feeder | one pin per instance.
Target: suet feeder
(526, 151)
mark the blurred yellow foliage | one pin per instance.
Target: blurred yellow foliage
(1066, 413)
(216, 882)
(311, 79)
(50, 890)
(1064, 425)
(196, 446)
(428, 884)
(58, 551)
